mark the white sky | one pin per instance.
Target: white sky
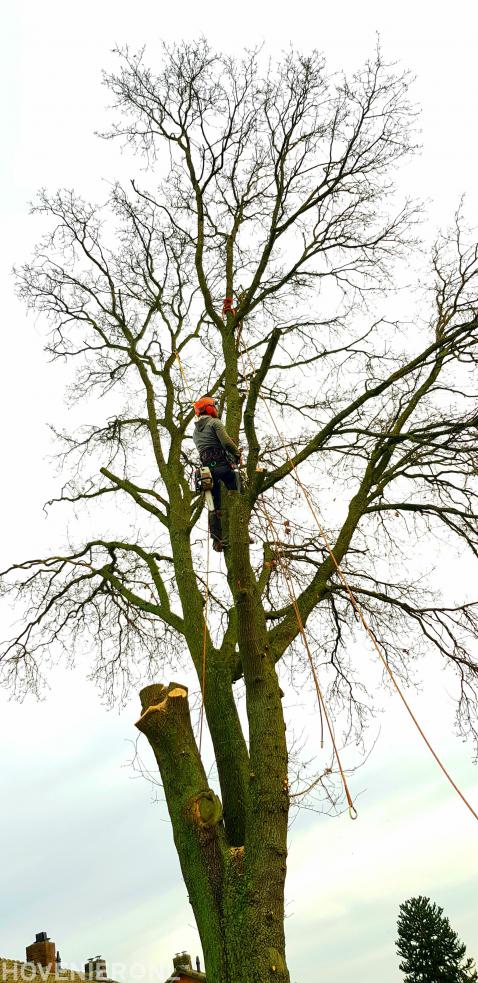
(84, 853)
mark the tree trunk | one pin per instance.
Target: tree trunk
(236, 892)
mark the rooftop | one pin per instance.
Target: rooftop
(183, 971)
(14, 971)
(184, 975)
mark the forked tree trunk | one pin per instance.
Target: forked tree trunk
(236, 889)
(237, 901)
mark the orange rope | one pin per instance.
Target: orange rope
(354, 601)
(228, 306)
(323, 713)
(359, 611)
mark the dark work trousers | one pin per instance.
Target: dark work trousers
(221, 473)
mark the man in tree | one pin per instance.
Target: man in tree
(273, 186)
(431, 951)
(216, 451)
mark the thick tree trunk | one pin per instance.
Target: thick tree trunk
(232, 853)
(236, 892)
(268, 803)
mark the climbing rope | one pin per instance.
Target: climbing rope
(358, 607)
(323, 712)
(204, 644)
(188, 394)
(186, 386)
(228, 307)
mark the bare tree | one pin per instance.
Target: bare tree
(273, 189)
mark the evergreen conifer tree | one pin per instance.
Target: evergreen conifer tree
(431, 951)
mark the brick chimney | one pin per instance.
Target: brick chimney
(95, 968)
(183, 971)
(42, 952)
(182, 960)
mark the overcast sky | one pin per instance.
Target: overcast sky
(86, 853)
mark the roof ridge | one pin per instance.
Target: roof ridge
(41, 971)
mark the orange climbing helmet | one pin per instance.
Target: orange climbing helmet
(205, 405)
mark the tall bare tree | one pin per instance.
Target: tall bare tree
(272, 187)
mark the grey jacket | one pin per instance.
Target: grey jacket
(210, 433)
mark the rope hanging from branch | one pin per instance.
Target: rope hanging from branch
(320, 697)
(186, 386)
(323, 712)
(227, 307)
(204, 645)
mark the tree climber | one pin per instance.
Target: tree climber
(219, 453)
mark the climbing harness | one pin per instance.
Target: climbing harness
(215, 456)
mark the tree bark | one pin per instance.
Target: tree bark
(236, 892)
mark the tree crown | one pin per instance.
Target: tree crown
(275, 188)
